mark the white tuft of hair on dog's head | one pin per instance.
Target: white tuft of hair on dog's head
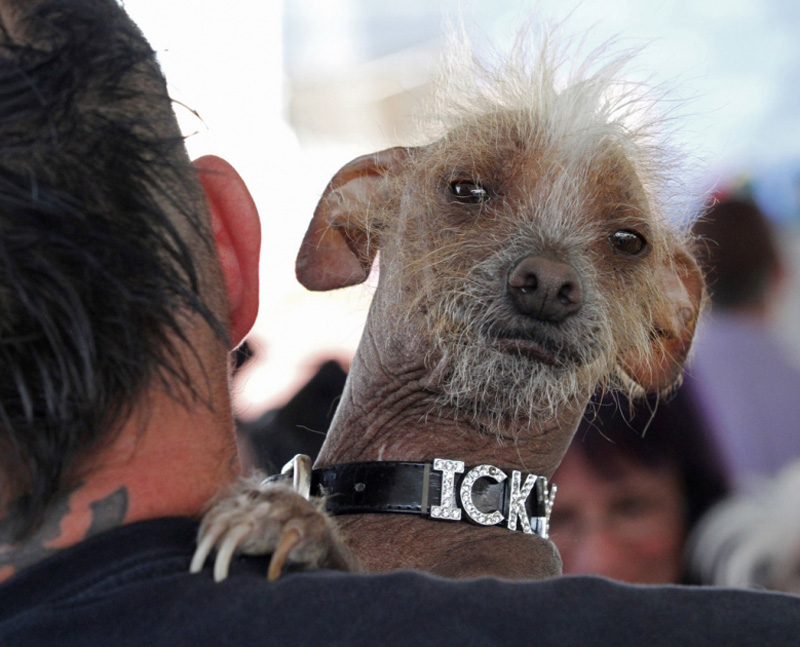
(562, 93)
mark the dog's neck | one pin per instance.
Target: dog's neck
(388, 413)
(386, 542)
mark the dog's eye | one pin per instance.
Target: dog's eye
(468, 191)
(628, 242)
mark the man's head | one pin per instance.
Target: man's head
(109, 278)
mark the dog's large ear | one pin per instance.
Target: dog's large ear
(674, 311)
(340, 244)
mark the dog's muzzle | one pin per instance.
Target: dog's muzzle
(443, 490)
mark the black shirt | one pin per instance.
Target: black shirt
(131, 586)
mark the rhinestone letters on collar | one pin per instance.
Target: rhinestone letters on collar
(448, 509)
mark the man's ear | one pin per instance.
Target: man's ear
(237, 234)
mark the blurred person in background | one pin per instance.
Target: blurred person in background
(752, 539)
(745, 385)
(632, 485)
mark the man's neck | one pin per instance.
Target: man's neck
(76, 515)
(170, 467)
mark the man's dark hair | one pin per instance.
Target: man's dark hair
(99, 222)
(738, 252)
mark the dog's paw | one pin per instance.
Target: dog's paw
(255, 518)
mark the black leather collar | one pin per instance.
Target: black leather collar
(444, 489)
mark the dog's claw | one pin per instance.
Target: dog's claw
(258, 519)
(289, 540)
(225, 552)
(201, 553)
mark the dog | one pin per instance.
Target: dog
(527, 258)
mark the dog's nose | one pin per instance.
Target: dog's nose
(544, 288)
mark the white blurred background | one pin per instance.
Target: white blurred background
(289, 91)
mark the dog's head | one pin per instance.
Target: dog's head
(526, 250)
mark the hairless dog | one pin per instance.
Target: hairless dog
(527, 258)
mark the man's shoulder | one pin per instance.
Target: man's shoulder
(132, 587)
